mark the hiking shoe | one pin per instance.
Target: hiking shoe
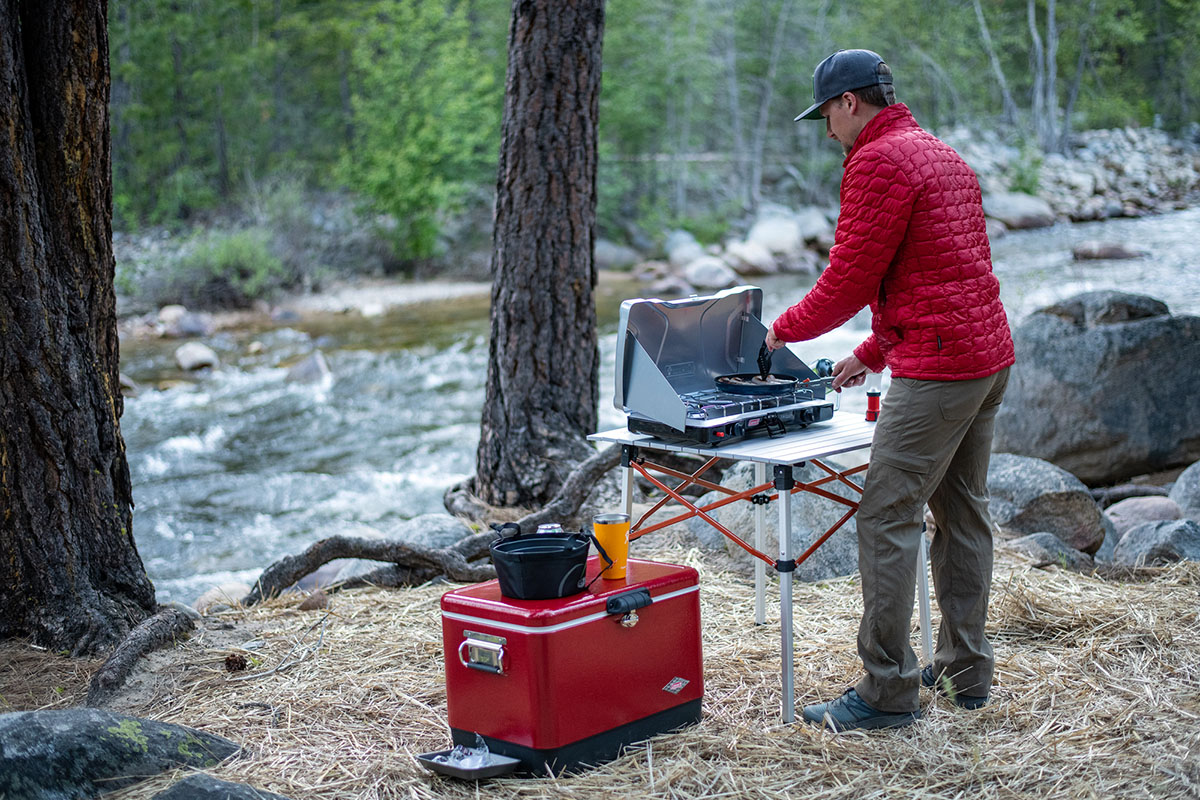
(850, 711)
(942, 685)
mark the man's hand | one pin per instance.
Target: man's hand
(773, 341)
(849, 372)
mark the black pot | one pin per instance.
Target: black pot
(541, 567)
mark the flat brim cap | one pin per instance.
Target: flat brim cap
(844, 71)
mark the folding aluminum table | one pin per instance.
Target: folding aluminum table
(844, 433)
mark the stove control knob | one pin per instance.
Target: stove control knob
(824, 367)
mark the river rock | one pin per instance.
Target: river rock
(1186, 492)
(671, 286)
(777, 234)
(1130, 513)
(682, 248)
(1094, 250)
(206, 787)
(193, 356)
(313, 371)
(750, 258)
(1029, 495)
(814, 225)
(432, 530)
(811, 517)
(1099, 388)
(226, 595)
(1018, 210)
(170, 314)
(190, 324)
(995, 229)
(613, 256)
(1159, 543)
(1046, 547)
(129, 387)
(1104, 555)
(709, 272)
(85, 752)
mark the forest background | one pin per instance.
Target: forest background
(244, 126)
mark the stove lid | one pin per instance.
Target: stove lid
(666, 348)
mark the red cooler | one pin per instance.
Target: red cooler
(564, 683)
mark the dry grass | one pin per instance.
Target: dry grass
(1097, 695)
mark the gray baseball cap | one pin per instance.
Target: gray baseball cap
(843, 71)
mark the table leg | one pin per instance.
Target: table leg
(784, 483)
(627, 482)
(923, 598)
(760, 537)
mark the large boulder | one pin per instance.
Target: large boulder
(709, 272)
(206, 787)
(814, 225)
(778, 234)
(1186, 492)
(85, 752)
(682, 248)
(811, 517)
(1029, 495)
(610, 255)
(1018, 210)
(1134, 511)
(1159, 543)
(750, 258)
(1046, 548)
(432, 530)
(1095, 250)
(194, 355)
(1101, 388)
(312, 370)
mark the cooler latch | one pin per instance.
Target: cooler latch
(482, 651)
(627, 604)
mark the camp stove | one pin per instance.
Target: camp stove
(686, 370)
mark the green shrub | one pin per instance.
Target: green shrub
(1026, 173)
(226, 270)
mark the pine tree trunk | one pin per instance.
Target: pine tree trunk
(543, 364)
(70, 575)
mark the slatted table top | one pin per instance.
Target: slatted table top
(843, 433)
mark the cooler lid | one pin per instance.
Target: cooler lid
(483, 600)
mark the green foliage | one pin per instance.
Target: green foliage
(399, 101)
(1025, 174)
(426, 118)
(222, 270)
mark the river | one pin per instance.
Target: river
(238, 467)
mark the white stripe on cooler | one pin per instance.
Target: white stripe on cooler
(509, 626)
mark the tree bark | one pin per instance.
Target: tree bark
(1010, 105)
(543, 362)
(763, 125)
(70, 575)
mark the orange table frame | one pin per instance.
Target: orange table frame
(812, 445)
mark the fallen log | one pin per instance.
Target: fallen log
(412, 565)
(418, 564)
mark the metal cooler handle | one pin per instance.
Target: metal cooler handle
(481, 654)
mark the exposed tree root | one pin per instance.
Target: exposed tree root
(162, 628)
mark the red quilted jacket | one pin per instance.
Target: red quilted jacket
(911, 243)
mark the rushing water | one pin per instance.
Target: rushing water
(238, 467)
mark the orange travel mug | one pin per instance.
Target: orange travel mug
(612, 532)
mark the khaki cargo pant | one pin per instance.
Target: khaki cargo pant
(932, 445)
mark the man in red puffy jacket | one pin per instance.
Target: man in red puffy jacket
(911, 243)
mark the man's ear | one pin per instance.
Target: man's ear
(851, 101)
